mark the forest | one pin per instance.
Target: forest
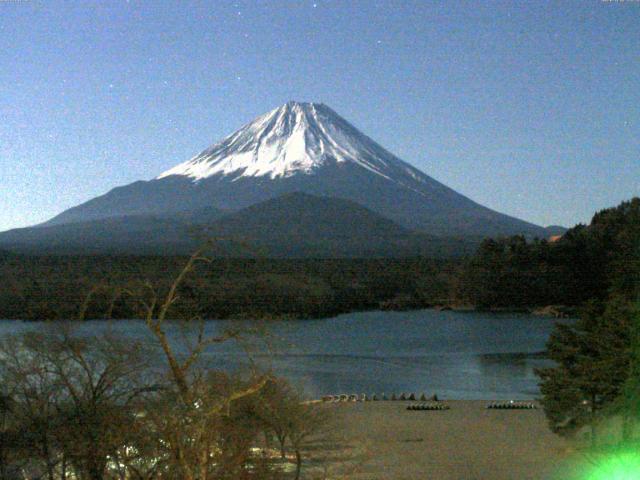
(595, 380)
(510, 273)
(54, 287)
(587, 263)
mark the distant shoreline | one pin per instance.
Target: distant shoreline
(550, 311)
(536, 312)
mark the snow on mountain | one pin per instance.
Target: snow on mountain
(309, 148)
(294, 138)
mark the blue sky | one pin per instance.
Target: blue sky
(530, 108)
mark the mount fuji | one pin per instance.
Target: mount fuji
(309, 148)
(302, 148)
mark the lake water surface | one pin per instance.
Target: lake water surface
(458, 355)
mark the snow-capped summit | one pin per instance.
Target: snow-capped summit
(294, 138)
(307, 148)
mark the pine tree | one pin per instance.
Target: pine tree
(628, 404)
(593, 358)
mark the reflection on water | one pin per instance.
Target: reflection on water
(468, 376)
(504, 368)
(466, 355)
(498, 365)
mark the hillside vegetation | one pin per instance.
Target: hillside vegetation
(54, 287)
(586, 263)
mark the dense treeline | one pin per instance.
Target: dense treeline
(596, 377)
(586, 263)
(594, 268)
(55, 287)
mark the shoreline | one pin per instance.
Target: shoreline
(549, 311)
(383, 440)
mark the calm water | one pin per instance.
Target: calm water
(464, 355)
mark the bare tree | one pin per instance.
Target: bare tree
(7, 433)
(292, 421)
(91, 408)
(191, 432)
(308, 421)
(34, 394)
(74, 396)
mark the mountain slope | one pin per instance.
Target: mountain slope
(303, 225)
(135, 234)
(293, 225)
(303, 147)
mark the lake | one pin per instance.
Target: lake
(458, 355)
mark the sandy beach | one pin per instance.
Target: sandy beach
(382, 440)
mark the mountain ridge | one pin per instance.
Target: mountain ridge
(294, 225)
(304, 147)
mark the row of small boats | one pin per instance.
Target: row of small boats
(374, 397)
(512, 405)
(427, 403)
(428, 406)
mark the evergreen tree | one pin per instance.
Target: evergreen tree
(587, 263)
(593, 360)
(628, 404)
